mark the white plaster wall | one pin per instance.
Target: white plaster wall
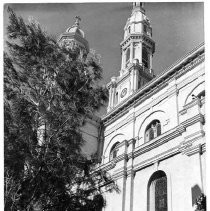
(114, 200)
(140, 188)
(182, 176)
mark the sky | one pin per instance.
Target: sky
(177, 27)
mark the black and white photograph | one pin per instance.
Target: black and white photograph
(104, 106)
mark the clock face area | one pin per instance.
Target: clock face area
(123, 93)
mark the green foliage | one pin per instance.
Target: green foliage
(49, 91)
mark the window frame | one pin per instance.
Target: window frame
(114, 149)
(153, 130)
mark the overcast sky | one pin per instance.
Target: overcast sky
(177, 27)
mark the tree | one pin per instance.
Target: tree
(49, 92)
(200, 203)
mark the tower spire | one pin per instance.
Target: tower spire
(137, 50)
(138, 6)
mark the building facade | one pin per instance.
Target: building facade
(154, 130)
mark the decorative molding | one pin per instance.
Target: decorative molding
(157, 158)
(160, 140)
(185, 147)
(193, 150)
(194, 136)
(197, 118)
(181, 129)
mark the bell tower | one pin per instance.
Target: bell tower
(74, 37)
(137, 49)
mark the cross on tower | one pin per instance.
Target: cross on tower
(78, 19)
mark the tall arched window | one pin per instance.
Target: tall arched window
(157, 192)
(145, 57)
(127, 57)
(153, 130)
(113, 151)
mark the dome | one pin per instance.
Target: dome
(73, 35)
(76, 30)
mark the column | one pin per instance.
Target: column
(110, 98)
(124, 176)
(132, 164)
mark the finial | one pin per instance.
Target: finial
(78, 19)
(138, 6)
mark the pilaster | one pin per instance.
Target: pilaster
(124, 176)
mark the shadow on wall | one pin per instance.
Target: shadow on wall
(196, 192)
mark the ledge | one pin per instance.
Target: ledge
(160, 140)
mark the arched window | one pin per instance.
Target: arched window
(127, 57)
(152, 130)
(113, 151)
(157, 192)
(145, 57)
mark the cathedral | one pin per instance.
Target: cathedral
(152, 138)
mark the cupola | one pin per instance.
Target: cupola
(74, 37)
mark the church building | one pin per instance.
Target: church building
(154, 131)
(152, 139)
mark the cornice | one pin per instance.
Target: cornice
(129, 171)
(195, 149)
(142, 71)
(138, 36)
(197, 118)
(78, 38)
(160, 140)
(157, 158)
(181, 67)
(195, 76)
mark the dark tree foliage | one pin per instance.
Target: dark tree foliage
(201, 203)
(49, 91)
